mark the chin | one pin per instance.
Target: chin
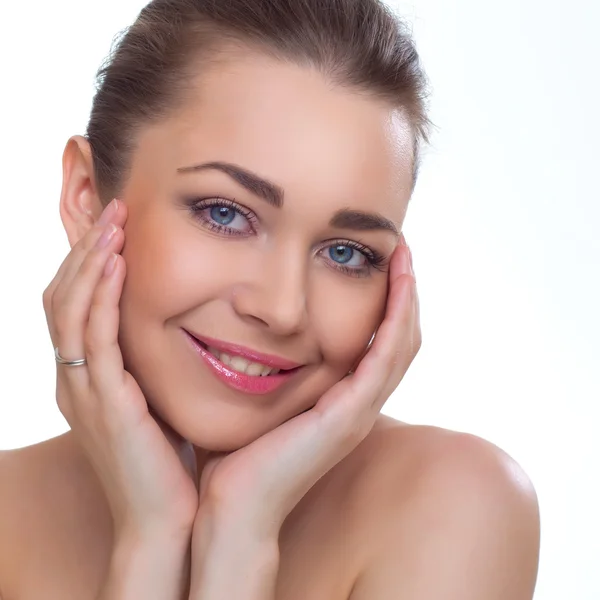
(217, 419)
(215, 424)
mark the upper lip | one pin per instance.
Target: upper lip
(270, 360)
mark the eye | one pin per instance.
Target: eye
(224, 216)
(353, 258)
(345, 255)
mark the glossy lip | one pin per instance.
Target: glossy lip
(275, 362)
(249, 384)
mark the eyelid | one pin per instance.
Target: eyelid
(202, 203)
(374, 259)
(358, 246)
(198, 205)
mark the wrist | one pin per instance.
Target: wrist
(150, 536)
(220, 549)
(226, 521)
(144, 566)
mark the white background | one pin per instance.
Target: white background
(504, 228)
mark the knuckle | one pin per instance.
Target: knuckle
(99, 311)
(56, 300)
(47, 297)
(92, 344)
(92, 262)
(95, 338)
(59, 313)
(88, 241)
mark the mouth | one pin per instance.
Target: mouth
(241, 368)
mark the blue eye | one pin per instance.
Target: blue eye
(353, 258)
(223, 215)
(341, 254)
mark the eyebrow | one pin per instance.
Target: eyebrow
(259, 186)
(274, 194)
(358, 220)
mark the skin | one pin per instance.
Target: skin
(266, 291)
(275, 289)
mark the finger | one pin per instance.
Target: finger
(58, 287)
(392, 342)
(72, 300)
(408, 354)
(115, 211)
(105, 361)
(417, 333)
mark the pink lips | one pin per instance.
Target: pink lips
(240, 381)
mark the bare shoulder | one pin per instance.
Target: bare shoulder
(14, 466)
(21, 490)
(454, 516)
(47, 500)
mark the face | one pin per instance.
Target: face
(289, 267)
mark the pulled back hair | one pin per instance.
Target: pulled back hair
(358, 45)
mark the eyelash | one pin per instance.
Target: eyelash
(375, 260)
(198, 206)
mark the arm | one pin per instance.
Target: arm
(230, 560)
(147, 568)
(471, 532)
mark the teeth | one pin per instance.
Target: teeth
(224, 358)
(253, 368)
(241, 365)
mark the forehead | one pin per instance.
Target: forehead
(289, 124)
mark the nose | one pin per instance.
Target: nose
(274, 294)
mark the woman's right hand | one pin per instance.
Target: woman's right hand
(148, 473)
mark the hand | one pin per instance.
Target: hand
(257, 486)
(147, 472)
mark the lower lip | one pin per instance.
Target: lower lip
(240, 381)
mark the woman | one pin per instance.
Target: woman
(237, 306)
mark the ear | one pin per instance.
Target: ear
(80, 205)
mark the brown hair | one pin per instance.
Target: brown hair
(360, 45)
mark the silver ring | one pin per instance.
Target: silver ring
(68, 363)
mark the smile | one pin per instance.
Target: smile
(243, 369)
(242, 365)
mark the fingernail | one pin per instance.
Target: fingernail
(106, 236)
(403, 239)
(108, 213)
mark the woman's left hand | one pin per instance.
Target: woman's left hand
(258, 485)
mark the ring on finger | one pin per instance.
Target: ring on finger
(68, 363)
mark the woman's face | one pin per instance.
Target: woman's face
(216, 253)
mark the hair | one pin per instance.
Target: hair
(358, 45)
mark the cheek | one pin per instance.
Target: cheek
(170, 268)
(347, 316)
